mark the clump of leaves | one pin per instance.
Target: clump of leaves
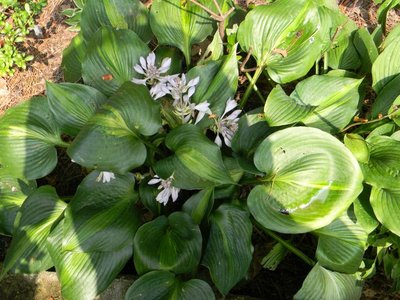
(74, 15)
(182, 161)
(16, 20)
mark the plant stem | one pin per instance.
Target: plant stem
(255, 88)
(326, 61)
(287, 245)
(250, 87)
(317, 67)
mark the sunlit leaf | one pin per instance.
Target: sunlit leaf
(28, 136)
(358, 146)
(73, 104)
(84, 275)
(112, 140)
(310, 179)
(101, 216)
(199, 205)
(341, 245)
(27, 252)
(72, 59)
(164, 285)
(180, 24)
(229, 249)
(120, 14)
(197, 162)
(366, 48)
(170, 243)
(13, 193)
(321, 283)
(110, 59)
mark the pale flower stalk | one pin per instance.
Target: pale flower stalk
(167, 190)
(227, 125)
(105, 177)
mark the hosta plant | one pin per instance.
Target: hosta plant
(180, 163)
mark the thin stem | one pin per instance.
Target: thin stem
(250, 87)
(326, 58)
(317, 67)
(213, 14)
(368, 122)
(255, 88)
(288, 246)
(217, 6)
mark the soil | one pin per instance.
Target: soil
(279, 284)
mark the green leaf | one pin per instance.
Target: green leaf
(385, 203)
(229, 249)
(72, 59)
(27, 252)
(13, 193)
(112, 140)
(73, 104)
(84, 275)
(286, 37)
(112, 53)
(280, 109)
(336, 99)
(386, 97)
(343, 53)
(366, 49)
(383, 167)
(197, 162)
(384, 10)
(311, 178)
(274, 257)
(395, 113)
(364, 213)
(101, 216)
(164, 285)
(218, 82)
(386, 67)
(28, 136)
(120, 14)
(200, 205)
(170, 243)
(358, 146)
(341, 245)
(214, 50)
(251, 131)
(321, 283)
(180, 24)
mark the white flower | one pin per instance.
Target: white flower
(105, 176)
(227, 125)
(187, 110)
(151, 72)
(178, 87)
(167, 189)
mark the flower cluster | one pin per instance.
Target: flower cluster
(167, 190)
(175, 85)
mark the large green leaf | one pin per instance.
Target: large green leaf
(366, 48)
(364, 212)
(386, 205)
(28, 252)
(72, 59)
(343, 54)
(112, 53)
(387, 66)
(197, 162)
(112, 140)
(180, 23)
(199, 205)
(73, 104)
(13, 192)
(383, 167)
(170, 243)
(387, 95)
(311, 178)
(28, 136)
(120, 14)
(101, 216)
(321, 283)
(84, 275)
(229, 249)
(336, 98)
(341, 245)
(164, 285)
(286, 37)
(218, 82)
(280, 109)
